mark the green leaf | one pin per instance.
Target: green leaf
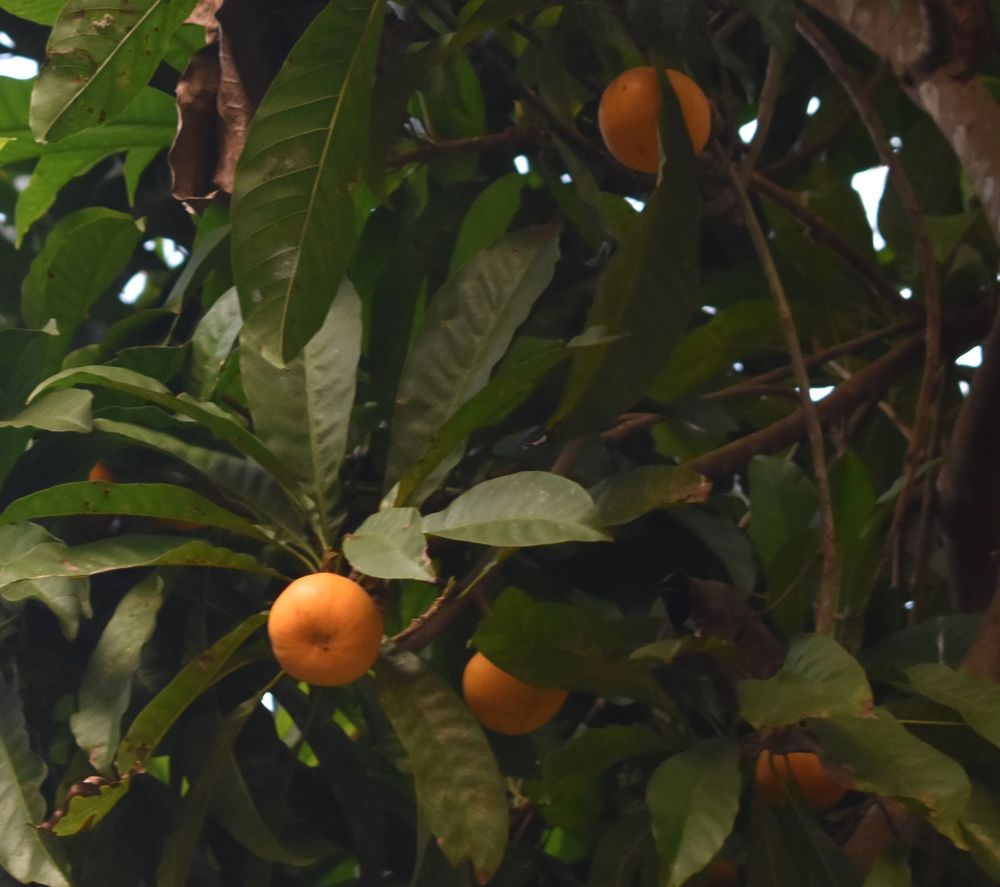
(460, 793)
(139, 500)
(694, 797)
(26, 853)
(980, 825)
(520, 510)
(205, 413)
(390, 545)
(649, 289)
(212, 342)
(977, 700)
(567, 646)
(889, 870)
(854, 501)
(302, 412)
(44, 12)
(742, 330)
(513, 382)
(107, 683)
(149, 123)
(181, 842)
(570, 767)
(240, 479)
(303, 153)
(54, 559)
(819, 679)
(48, 177)
(59, 411)
(627, 495)
(99, 58)
(85, 811)
(488, 218)
(82, 257)
(880, 755)
(68, 599)
(468, 328)
(782, 502)
(153, 722)
(772, 863)
(620, 850)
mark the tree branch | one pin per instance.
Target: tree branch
(969, 485)
(829, 583)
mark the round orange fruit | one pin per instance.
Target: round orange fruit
(801, 772)
(325, 629)
(506, 704)
(629, 113)
(101, 472)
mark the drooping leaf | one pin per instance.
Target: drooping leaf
(59, 411)
(181, 843)
(304, 149)
(99, 58)
(488, 218)
(980, 825)
(460, 793)
(240, 479)
(627, 495)
(620, 850)
(205, 413)
(82, 256)
(50, 560)
(571, 766)
(390, 545)
(44, 12)
(889, 870)
(85, 811)
(512, 383)
(976, 699)
(819, 679)
(139, 500)
(213, 340)
(468, 327)
(561, 645)
(648, 290)
(520, 510)
(880, 755)
(68, 599)
(107, 683)
(153, 722)
(693, 798)
(26, 853)
(782, 502)
(313, 394)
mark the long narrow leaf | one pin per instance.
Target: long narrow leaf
(100, 56)
(293, 211)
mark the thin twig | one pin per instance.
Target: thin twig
(765, 113)
(917, 452)
(829, 583)
(513, 137)
(824, 232)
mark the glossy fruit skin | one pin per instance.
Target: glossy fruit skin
(778, 775)
(325, 630)
(101, 472)
(628, 116)
(505, 704)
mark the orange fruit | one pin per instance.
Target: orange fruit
(325, 629)
(778, 775)
(101, 472)
(506, 704)
(722, 873)
(629, 113)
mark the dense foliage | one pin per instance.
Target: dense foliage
(687, 445)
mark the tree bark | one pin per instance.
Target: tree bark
(965, 112)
